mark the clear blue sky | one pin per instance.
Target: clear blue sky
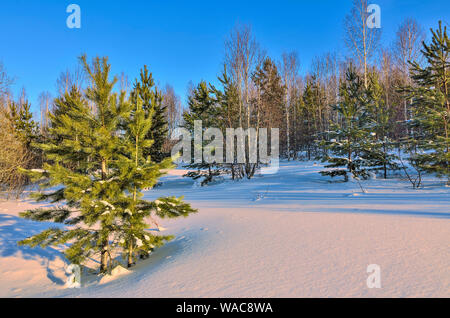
(179, 40)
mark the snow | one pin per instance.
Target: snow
(74, 279)
(107, 204)
(116, 272)
(290, 234)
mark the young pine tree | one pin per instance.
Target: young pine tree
(97, 165)
(84, 169)
(137, 172)
(348, 140)
(431, 104)
(17, 132)
(378, 147)
(227, 115)
(202, 107)
(308, 109)
(22, 119)
(152, 100)
(270, 108)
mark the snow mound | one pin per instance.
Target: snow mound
(117, 272)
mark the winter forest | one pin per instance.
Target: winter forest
(364, 166)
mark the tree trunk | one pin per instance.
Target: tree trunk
(103, 169)
(384, 160)
(130, 255)
(104, 260)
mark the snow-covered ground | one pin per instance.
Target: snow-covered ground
(292, 234)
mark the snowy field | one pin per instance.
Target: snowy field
(293, 234)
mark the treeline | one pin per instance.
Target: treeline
(373, 111)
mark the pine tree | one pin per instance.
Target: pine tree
(89, 136)
(227, 114)
(378, 146)
(308, 105)
(202, 107)
(68, 126)
(138, 172)
(152, 100)
(96, 160)
(431, 104)
(270, 107)
(348, 140)
(17, 132)
(22, 120)
(26, 130)
(272, 96)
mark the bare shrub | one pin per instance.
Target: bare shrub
(13, 156)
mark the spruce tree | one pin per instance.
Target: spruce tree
(431, 104)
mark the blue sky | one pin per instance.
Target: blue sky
(179, 40)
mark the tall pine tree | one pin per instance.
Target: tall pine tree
(152, 100)
(431, 104)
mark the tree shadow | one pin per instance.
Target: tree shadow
(14, 229)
